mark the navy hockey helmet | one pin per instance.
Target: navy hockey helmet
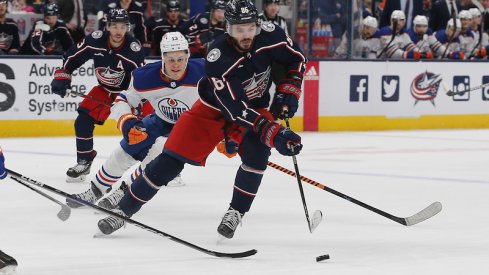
(173, 5)
(118, 16)
(51, 10)
(241, 12)
(218, 5)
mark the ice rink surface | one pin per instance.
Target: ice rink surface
(400, 172)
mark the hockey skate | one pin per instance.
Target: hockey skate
(113, 199)
(7, 263)
(176, 182)
(79, 172)
(92, 195)
(110, 224)
(229, 223)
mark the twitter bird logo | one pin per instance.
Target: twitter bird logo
(390, 88)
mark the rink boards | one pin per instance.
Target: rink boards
(338, 96)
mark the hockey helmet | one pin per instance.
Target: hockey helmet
(420, 20)
(398, 15)
(474, 11)
(458, 23)
(370, 21)
(51, 10)
(173, 5)
(465, 14)
(117, 16)
(267, 2)
(3, 2)
(218, 5)
(173, 42)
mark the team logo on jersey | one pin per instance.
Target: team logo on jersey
(425, 87)
(135, 46)
(204, 20)
(5, 41)
(172, 108)
(97, 34)
(257, 85)
(268, 26)
(213, 55)
(109, 77)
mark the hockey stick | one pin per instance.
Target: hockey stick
(133, 222)
(65, 211)
(422, 215)
(452, 36)
(317, 216)
(452, 93)
(481, 32)
(88, 97)
(394, 31)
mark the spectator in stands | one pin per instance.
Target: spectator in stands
(9, 33)
(20, 6)
(468, 4)
(72, 13)
(271, 9)
(203, 28)
(50, 36)
(411, 8)
(332, 13)
(441, 12)
(172, 23)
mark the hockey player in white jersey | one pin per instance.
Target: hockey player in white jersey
(422, 36)
(448, 38)
(364, 46)
(466, 37)
(480, 43)
(170, 86)
(395, 42)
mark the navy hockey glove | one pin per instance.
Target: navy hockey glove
(61, 82)
(275, 136)
(3, 173)
(287, 95)
(132, 129)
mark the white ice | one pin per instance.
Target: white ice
(400, 172)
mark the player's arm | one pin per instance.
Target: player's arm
(3, 172)
(140, 27)
(36, 42)
(65, 38)
(15, 47)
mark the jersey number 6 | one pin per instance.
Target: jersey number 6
(218, 84)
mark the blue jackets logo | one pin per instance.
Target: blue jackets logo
(359, 88)
(390, 88)
(424, 87)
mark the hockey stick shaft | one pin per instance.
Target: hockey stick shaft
(301, 190)
(133, 222)
(424, 214)
(394, 31)
(65, 211)
(88, 97)
(452, 93)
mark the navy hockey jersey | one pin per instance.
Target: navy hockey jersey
(113, 67)
(201, 25)
(162, 26)
(9, 36)
(45, 39)
(237, 82)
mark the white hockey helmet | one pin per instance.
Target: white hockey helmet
(173, 42)
(465, 14)
(457, 22)
(420, 20)
(475, 12)
(398, 14)
(370, 21)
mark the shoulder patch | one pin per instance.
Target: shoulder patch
(213, 55)
(97, 34)
(204, 20)
(135, 46)
(112, 5)
(268, 26)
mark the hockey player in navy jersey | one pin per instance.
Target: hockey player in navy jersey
(170, 86)
(115, 55)
(204, 28)
(233, 98)
(172, 23)
(7, 263)
(9, 33)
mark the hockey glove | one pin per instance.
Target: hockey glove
(426, 55)
(53, 51)
(132, 129)
(3, 173)
(412, 54)
(480, 52)
(287, 95)
(61, 82)
(275, 136)
(228, 148)
(456, 55)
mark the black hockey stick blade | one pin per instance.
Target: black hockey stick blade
(134, 222)
(65, 211)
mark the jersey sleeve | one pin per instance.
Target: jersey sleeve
(65, 38)
(287, 51)
(78, 54)
(125, 102)
(36, 42)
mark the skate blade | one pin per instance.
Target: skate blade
(220, 239)
(100, 234)
(175, 184)
(76, 180)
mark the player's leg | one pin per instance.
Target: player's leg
(254, 156)
(7, 263)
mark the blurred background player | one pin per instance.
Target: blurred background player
(466, 37)
(50, 36)
(270, 12)
(481, 42)
(422, 36)
(448, 38)
(204, 28)
(233, 103)
(172, 23)
(9, 33)
(364, 46)
(136, 18)
(170, 86)
(115, 55)
(7, 263)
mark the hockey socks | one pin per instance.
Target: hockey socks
(245, 187)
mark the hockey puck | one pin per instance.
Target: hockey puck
(322, 257)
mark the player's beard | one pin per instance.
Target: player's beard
(244, 44)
